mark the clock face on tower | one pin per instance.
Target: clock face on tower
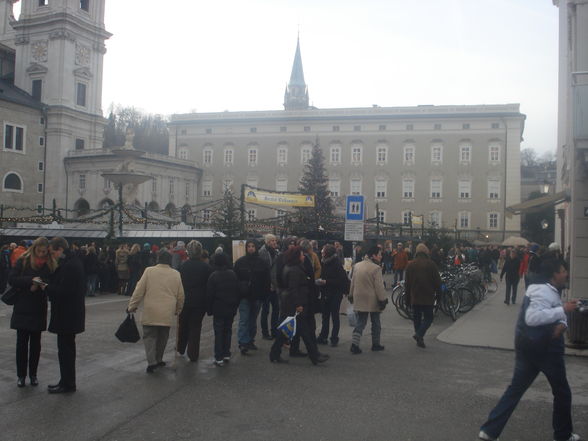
(82, 55)
(39, 51)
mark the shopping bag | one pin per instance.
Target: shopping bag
(351, 316)
(9, 296)
(127, 331)
(288, 327)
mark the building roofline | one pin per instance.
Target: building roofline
(372, 113)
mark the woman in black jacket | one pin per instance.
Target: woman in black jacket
(223, 300)
(254, 283)
(511, 269)
(195, 275)
(296, 299)
(29, 316)
(333, 283)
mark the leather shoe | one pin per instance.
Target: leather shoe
(54, 386)
(34, 381)
(377, 348)
(320, 358)
(151, 368)
(298, 354)
(62, 390)
(161, 364)
(278, 359)
(21, 382)
(355, 349)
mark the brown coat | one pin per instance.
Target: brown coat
(367, 287)
(400, 260)
(422, 280)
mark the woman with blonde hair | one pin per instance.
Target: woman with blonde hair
(121, 263)
(29, 316)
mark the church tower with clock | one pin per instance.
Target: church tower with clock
(59, 50)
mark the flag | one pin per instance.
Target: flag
(288, 327)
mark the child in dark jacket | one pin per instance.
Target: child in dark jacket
(222, 292)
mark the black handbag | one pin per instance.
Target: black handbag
(9, 296)
(127, 331)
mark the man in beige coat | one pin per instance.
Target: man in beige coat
(160, 289)
(368, 296)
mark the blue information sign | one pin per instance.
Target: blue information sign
(354, 211)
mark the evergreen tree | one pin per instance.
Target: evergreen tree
(227, 219)
(314, 182)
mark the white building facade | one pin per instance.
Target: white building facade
(572, 147)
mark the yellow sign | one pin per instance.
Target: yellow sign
(282, 199)
(417, 220)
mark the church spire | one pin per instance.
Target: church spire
(296, 96)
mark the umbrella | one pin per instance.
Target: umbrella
(515, 241)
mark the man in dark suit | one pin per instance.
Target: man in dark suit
(66, 291)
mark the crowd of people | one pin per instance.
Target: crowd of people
(181, 284)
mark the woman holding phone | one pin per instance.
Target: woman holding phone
(29, 316)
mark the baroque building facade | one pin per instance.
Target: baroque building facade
(51, 63)
(457, 166)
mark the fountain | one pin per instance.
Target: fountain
(124, 175)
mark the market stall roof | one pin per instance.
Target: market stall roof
(538, 204)
(101, 234)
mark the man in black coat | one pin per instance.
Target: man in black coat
(66, 291)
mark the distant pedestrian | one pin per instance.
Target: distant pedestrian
(222, 293)
(422, 284)
(511, 270)
(368, 296)
(269, 253)
(161, 292)
(400, 261)
(539, 347)
(122, 268)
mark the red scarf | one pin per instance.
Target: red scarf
(40, 262)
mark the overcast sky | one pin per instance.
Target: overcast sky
(207, 56)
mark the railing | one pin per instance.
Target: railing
(108, 152)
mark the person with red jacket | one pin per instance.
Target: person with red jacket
(400, 258)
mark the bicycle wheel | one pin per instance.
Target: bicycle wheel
(402, 307)
(467, 299)
(450, 303)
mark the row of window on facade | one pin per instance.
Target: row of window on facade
(335, 156)
(84, 4)
(464, 187)
(356, 128)
(173, 183)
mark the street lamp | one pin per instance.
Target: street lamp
(545, 186)
(544, 226)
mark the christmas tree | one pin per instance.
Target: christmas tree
(227, 218)
(314, 182)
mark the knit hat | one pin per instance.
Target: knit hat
(146, 246)
(554, 246)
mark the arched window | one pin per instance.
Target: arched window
(106, 204)
(81, 207)
(170, 209)
(12, 182)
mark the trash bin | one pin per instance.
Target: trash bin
(578, 327)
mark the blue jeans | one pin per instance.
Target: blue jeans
(248, 311)
(361, 324)
(527, 367)
(398, 276)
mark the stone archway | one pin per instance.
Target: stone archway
(81, 207)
